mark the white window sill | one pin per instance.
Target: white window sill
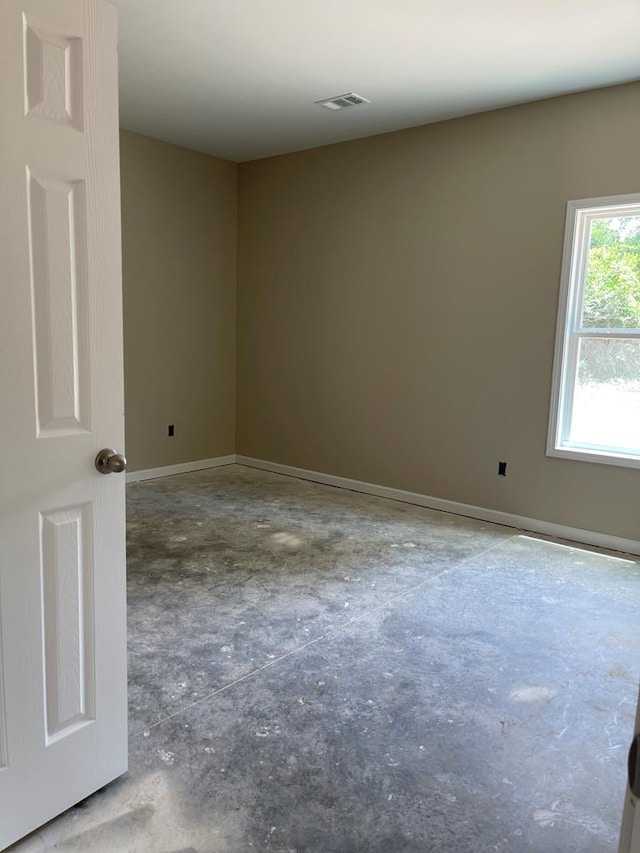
(602, 457)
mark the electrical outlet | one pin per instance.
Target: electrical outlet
(502, 469)
(171, 430)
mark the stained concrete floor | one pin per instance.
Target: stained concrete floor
(317, 670)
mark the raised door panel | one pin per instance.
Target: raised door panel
(57, 238)
(67, 610)
(53, 74)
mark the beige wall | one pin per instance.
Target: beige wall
(179, 225)
(397, 305)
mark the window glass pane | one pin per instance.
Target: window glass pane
(606, 401)
(612, 292)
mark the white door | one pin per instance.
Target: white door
(630, 835)
(62, 561)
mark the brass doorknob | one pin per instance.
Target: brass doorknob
(110, 462)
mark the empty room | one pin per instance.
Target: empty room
(320, 369)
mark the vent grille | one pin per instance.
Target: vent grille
(340, 102)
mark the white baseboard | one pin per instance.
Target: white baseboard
(181, 468)
(521, 522)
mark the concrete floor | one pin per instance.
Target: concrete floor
(317, 670)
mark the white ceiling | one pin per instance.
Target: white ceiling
(238, 78)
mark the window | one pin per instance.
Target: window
(595, 406)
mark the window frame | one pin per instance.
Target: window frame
(569, 331)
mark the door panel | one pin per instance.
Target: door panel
(57, 213)
(62, 560)
(67, 606)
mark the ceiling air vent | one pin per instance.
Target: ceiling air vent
(342, 101)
